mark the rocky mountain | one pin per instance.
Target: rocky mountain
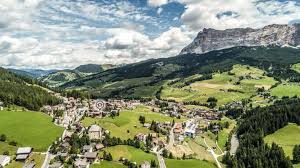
(211, 39)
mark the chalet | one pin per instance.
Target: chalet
(141, 137)
(145, 164)
(90, 156)
(23, 153)
(94, 132)
(81, 163)
(87, 148)
(4, 160)
(147, 125)
(178, 128)
(99, 146)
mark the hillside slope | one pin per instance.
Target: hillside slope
(61, 77)
(22, 91)
(145, 79)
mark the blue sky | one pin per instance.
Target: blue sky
(66, 33)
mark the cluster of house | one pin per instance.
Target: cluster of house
(102, 108)
(204, 114)
(88, 153)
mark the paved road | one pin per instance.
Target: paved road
(161, 160)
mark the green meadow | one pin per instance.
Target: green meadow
(32, 129)
(127, 124)
(130, 153)
(107, 164)
(286, 89)
(171, 163)
(286, 137)
(240, 83)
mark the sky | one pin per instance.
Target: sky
(58, 34)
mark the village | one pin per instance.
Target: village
(81, 146)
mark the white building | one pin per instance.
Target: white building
(95, 132)
(23, 153)
(4, 160)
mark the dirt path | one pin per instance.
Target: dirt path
(234, 144)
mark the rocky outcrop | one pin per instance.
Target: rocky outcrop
(211, 39)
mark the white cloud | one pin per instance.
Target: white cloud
(156, 3)
(237, 13)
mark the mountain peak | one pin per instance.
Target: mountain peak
(211, 39)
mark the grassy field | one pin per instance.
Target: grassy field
(32, 129)
(286, 137)
(130, 153)
(241, 83)
(224, 133)
(4, 146)
(286, 89)
(127, 120)
(171, 163)
(296, 67)
(36, 157)
(106, 164)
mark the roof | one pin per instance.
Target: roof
(3, 158)
(90, 155)
(81, 162)
(87, 147)
(94, 128)
(24, 150)
(22, 157)
(55, 165)
(30, 165)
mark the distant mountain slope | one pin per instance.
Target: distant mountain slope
(32, 73)
(145, 79)
(23, 91)
(61, 77)
(211, 39)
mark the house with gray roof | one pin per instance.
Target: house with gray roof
(4, 160)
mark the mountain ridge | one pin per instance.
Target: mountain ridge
(212, 39)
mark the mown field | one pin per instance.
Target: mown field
(240, 83)
(32, 129)
(106, 164)
(128, 120)
(171, 163)
(130, 153)
(286, 89)
(286, 137)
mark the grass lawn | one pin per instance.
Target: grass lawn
(106, 164)
(130, 153)
(224, 133)
(4, 146)
(222, 86)
(286, 137)
(296, 67)
(127, 120)
(32, 129)
(171, 163)
(36, 157)
(286, 89)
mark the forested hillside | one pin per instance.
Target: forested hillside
(23, 91)
(257, 123)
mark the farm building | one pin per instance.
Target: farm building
(23, 153)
